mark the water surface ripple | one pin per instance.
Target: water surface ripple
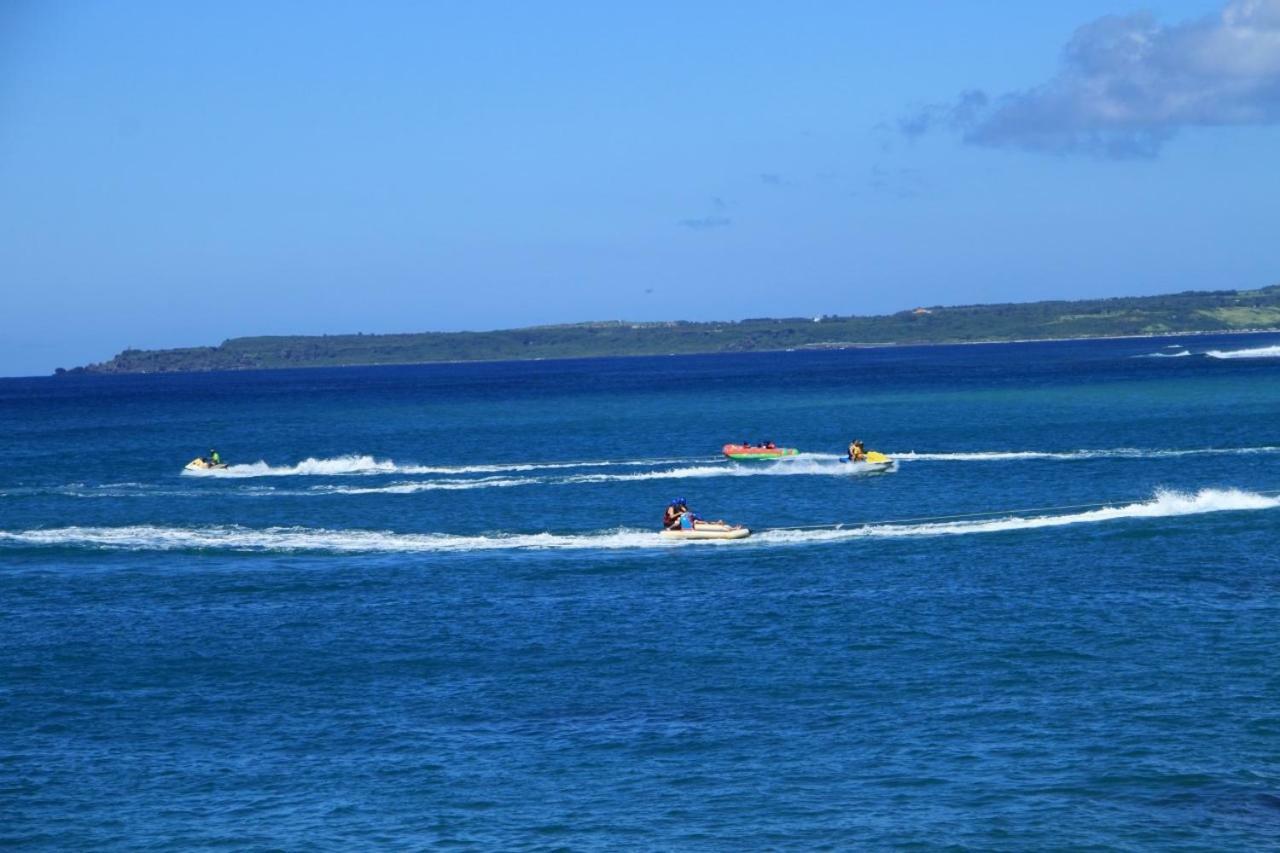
(425, 607)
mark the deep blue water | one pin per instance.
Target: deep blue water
(427, 606)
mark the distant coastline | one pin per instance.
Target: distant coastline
(1188, 313)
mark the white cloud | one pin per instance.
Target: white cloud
(1127, 84)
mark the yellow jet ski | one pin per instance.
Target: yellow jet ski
(872, 457)
(709, 530)
(202, 464)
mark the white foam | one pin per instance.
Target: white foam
(301, 539)
(518, 467)
(101, 490)
(428, 486)
(1256, 352)
(688, 472)
(1182, 354)
(788, 468)
(354, 464)
(1163, 504)
(984, 456)
(806, 465)
(1104, 453)
(310, 467)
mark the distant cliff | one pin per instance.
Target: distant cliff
(1192, 311)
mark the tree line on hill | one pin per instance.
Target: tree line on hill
(1191, 311)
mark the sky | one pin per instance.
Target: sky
(177, 174)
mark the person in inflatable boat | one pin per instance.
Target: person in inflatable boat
(688, 518)
(673, 513)
(679, 517)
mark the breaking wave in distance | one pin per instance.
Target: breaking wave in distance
(1256, 352)
(299, 539)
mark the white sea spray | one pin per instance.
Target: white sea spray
(1256, 352)
(1163, 503)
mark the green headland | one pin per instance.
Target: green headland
(1191, 311)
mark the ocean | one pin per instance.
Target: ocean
(427, 606)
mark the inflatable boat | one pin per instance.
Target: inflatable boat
(743, 452)
(202, 464)
(709, 530)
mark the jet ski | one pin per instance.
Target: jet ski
(873, 457)
(745, 452)
(709, 530)
(202, 464)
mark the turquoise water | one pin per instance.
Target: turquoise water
(427, 605)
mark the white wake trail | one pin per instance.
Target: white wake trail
(1255, 352)
(1104, 453)
(300, 539)
(1164, 504)
(807, 464)
(362, 464)
(804, 464)
(410, 488)
(310, 467)
(520, 467)
(789, 468)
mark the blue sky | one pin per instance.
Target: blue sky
(176, 176)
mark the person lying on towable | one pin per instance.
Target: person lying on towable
(680, 522)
